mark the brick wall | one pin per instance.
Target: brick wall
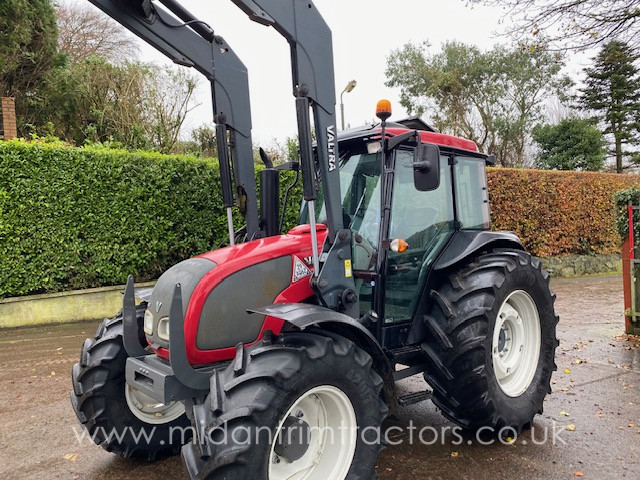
(9, 124)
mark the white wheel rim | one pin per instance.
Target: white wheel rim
(149, 410)
(332, 438)
(516, 343)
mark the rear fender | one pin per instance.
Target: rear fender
(303, 316)
(467, 243)
(464, 245)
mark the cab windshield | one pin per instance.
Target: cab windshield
(360, 184)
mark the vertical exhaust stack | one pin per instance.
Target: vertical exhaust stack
(269, 197)
(311, 44)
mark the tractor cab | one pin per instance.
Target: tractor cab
(392, 259)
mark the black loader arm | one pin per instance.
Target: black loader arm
(310, 40)
(311, 44)
(172, 30)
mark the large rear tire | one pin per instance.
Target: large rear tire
(492, 344)
(317, 379)
(119, 418)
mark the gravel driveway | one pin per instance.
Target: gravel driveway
(596, 394)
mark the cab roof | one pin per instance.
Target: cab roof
(428, 134)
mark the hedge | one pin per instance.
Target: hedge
(558, 213)
(622, 199)
(74, 218)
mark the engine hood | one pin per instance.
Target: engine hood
(219, 286)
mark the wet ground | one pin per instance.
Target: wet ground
(591, 421)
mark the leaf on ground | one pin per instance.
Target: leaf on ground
(565, 414)
(577, 361)
(578, 474)
(71, 457)
(455, 454)
(567, 371)
(571, 427)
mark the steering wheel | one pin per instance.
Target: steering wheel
(370, 225)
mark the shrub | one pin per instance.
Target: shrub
(573, 144)
(558, 213)
(622, 200)
(74, 218)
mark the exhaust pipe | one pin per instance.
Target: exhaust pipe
(269, 197)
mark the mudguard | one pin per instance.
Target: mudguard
(303, 316)
(468, 242)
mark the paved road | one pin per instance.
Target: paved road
(600, 397)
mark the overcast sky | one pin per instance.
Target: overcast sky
(365, 32)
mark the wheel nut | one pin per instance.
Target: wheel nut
(299, 414)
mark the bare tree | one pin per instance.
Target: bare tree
(572, 24)
(84, 31)
(168, 100)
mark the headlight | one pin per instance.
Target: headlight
(163, 329)
(148, 322)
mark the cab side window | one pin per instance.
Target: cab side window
(472, 197)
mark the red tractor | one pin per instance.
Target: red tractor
(277, 357)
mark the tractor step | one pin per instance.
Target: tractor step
(407, 355)
(413, 398)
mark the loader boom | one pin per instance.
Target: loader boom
(194, 44)
(311, 44)
(310, 40)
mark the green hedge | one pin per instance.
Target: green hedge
(73, 218)
(622, 199)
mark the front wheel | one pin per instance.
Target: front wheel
(307, 407)
(492, 344)
(122, 419)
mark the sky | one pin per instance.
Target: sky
(365, 32)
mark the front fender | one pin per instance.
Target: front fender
(303, 316)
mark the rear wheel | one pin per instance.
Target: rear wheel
(306, 407)
(493, 341)
(120, 418)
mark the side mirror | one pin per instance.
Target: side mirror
(426, 167)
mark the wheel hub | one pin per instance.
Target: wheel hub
(149, 410)
(293, 441)
(516, 343)
(316, 440)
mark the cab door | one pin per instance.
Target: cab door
(425, 221)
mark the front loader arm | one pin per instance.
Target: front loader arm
(311, 44)
(195, 45)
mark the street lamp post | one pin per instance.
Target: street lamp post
(348, 89)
